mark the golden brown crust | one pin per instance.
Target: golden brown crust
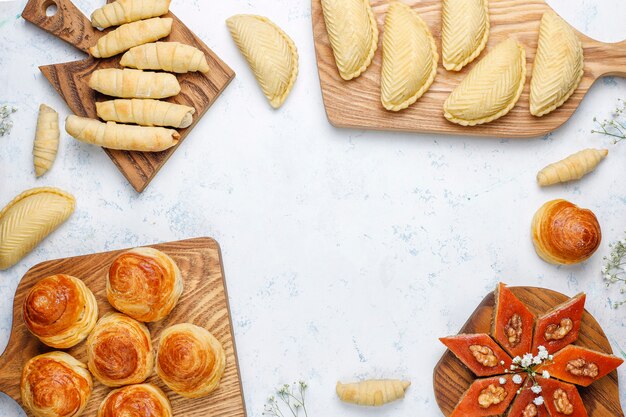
(564, 233)
(143, 400)
(60, 311)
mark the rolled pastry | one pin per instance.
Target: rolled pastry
(124, 137)
(375, 392)
(126, 11)
(28, 219)
(130, 83)
(146, 399)
(46, 139)
(146, 112)
(144, 283)
(131, 34)
(574, 167)
(190, 360)
(119, 351)
(55, 385)
(167, 56)
(464, 31)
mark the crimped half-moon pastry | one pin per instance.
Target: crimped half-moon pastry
(144, 283)
(119, 351)
(465, 31)
(564, 233)
(46, 139)
(166, 56)
(374, 392)
(55, 385)
(131, 34)
(143, 400)
(60, 311)
(190, 360)
(146, 112)
(29, 219)
(558, 66)
(270, 52)
(126, 11)
(132, 83)
(353, 34)
(492, 87)
(409, 58)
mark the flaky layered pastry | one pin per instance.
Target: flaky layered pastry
(167, 56)
(28, 219)
(190, 360)
(270, 52)
(46, 139)
(492, 87)
(146, 399)
(465, 31)
(55, 385)
(558, 66)
(131, 34)
(409, 58)
(144, 283)
(131, 83)
(353, 34)
(124, 137)
(119, 351)
(574, 167)
(126, 11)
(146, 112)
(374, 392)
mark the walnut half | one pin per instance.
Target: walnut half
(558, 332)
(561, 402)
(484, 355)
(513, 330)
(530, 411)
(581, 367)
(491, 395)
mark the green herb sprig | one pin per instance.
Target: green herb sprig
(290, 396)
(614, 127)
(613, 270)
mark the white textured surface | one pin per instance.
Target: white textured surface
(347, 253)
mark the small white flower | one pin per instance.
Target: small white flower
(513, 367)
(527, 360)
(517, 359)
(545, 375)
(538, 400)
(550, 357)
(543, 353)
(502, 381)
(536, 389)
(502, 363)
(537, 360)
(517, 379)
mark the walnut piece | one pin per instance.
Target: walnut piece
(530, 411)
(558, 332)
(513, 330)
(561, 402)
(491, 395)
(484, 355)
(581, 367)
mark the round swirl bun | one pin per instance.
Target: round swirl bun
(190, 360)
(60, 311)
(55, 385)
(143, 400)
(145, 284)
(564, 233)
(119, 351)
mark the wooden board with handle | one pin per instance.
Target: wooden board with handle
(356, 103)
(451, 378)
(204, 302)
(71, 79)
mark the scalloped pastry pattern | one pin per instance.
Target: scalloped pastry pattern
(353, 34)
(28, 219)
(271, 54)
(409, 58)
(465, 31)
(492, 87)
(558, 66)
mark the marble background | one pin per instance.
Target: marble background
(347, 253)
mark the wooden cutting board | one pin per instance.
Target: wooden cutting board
(71, 80)
(204, 302)
(356, 103)
(451, 378)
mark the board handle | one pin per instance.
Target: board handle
(67, 23)
(611, 59)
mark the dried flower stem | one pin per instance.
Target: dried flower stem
(290, 396)
(616, 126)
(613, 270)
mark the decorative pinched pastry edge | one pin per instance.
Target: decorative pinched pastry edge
(456, 33)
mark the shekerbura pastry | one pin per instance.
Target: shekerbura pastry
(375, 392)
(465, 31)
(143, 400)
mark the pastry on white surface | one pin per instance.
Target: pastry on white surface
(46, 139)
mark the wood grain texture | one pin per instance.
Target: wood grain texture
(356, 103)
(204, 302)
(451, 378)
(71, 79)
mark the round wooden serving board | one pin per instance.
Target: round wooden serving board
(356, 103)
(451, 378)
(204, 302)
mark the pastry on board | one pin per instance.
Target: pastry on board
(574, 167)
(147, 399)
(524, 404)
(126, 11)
(373, 392)
(46, 139)
(464, 31)
(487, 397)
(479, 352)
(145, 112)
(132, 83)
(562, 399)
(559, 326)
(132, 34)
(513, 323)
(581, 366)
(166, 56)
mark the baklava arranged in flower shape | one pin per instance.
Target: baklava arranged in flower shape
(527, 365)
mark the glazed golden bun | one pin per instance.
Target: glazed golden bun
(190, 360)
(60, 311)
(143, 400)
(119, 351)
(564, 233)
(55, 385)
(145, 284)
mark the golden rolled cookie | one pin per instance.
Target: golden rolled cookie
(119, 351)
(60, 311)
(190, 360)
(144, 283)
(55, 385)
(145, 400)
(564, 233)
